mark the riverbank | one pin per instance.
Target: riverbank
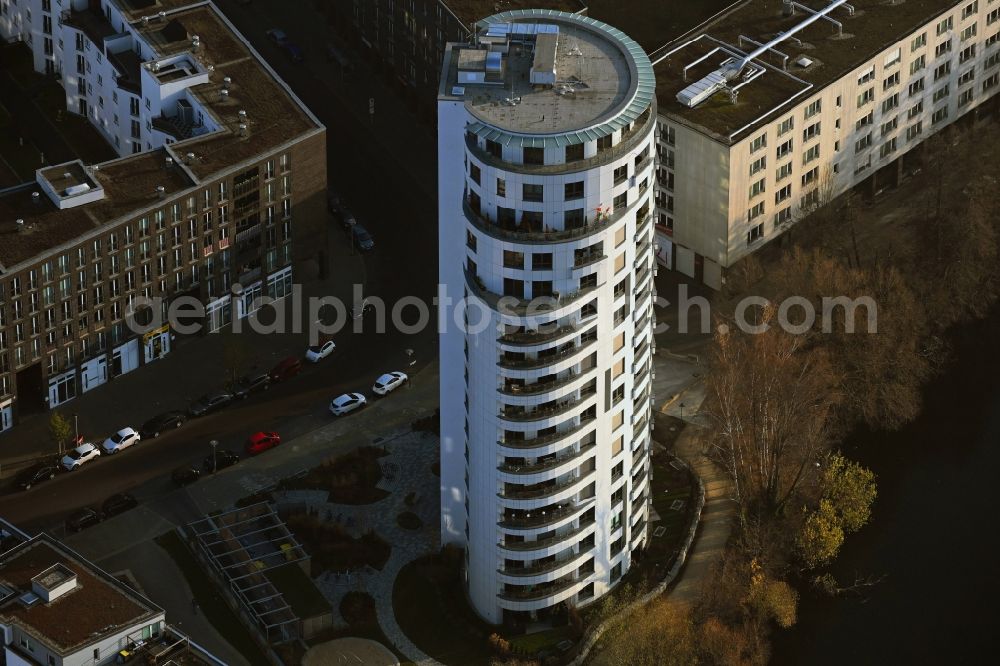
(932, 534)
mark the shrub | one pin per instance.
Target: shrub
(499, 645)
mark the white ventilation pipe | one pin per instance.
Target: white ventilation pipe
(764, 48)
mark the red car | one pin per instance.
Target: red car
(262, 441)
(288, 367)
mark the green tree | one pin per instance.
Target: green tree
(850, 490)
(821, 536)
(60, 430)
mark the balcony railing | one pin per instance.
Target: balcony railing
(551, 463)
(545, 440)
(545, 491)
(542, 361)
(527, 236)
(529, 338)
(588, 259)
(541, 518)
(539, 544)
(533, 592)
(542, 387)
(538, 569)
(513, 305)
(548, 412)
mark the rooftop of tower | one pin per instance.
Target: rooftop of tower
(544, 73)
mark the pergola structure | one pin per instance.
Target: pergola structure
(241, 545)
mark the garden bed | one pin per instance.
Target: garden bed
(351, 478)
(409, 521)
(332, 548)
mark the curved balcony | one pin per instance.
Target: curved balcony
(543, 361)
(545, 413)
(543, 591)
(553, 440)
(515, 234)
(539, 337)
(521, 307)
(566, 487)
(532, 574)
(545, 518)
(627, 144)
(546, 465)
(541, 544)
(540, 388)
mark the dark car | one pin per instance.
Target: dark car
(361, 238)
(35, 475)
(182, 476)
(161, 423)
(223, 458)
(82, 519)
(118, 503)
(251, 384)
(294, 51)
(207, 404)
(287, 367)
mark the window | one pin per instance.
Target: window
(757, 188)
(891, 81)
(866, 97)
(991, 82)
(914, 131)
(784, 149)
(755, 234)
(513, 259)
(890, 103)
(916, 87)
(758, 143)
(970, 9)
(501, 187)
(992, 17)
(968, 33)
(890, 127)
(474, 173)
(811, 154)
(810, 176)
(810, 132)
(782, 216)
(865, 121)
(965, 97)
(758, 165)
(968, 53)
(534, 156)
(784, 171)
(814, 108)
(915, 110)
(942, 70)
(940, 93)
(783, 194)
(892, 58)
(866, 75)
(942, 48)
(574, 152)
(786, 125)
(573, 190)
(887, 148)
(967, 77)
(918, 64)
(863, 143)
(939, 115)
(532, 192)
(541, 261)
(945, 25)
(756, 211)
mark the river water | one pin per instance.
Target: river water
(933, 535)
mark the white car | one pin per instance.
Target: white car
(121, 440)
(316, 353)
(389, 382)
(344, 404)
(80, 455)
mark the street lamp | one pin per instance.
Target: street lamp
(214, 443)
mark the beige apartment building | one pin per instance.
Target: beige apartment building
(768, 111)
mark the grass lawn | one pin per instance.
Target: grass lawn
(349, 479)
(541, 640)
(430, 606)
(210, 600)
(298, 590)
(333, 548)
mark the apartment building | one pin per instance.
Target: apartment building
(202, 203)
(546, 163)
(409, 36)
(775, 108)
(58, 609)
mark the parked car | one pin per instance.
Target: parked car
(118, 503)
(347, 403)
(316, 353)
(223, 458)
(120, 441)
(294, 51)
(34, 475)
(361, 238)
(347, 219)
(207, 404)
(332, 201)
(152, 428)
(277, 36)
(262, 441)
(80, 456)
(82, 519)
(251, 384)
(389, 382)
(182, 476)
(286, 368)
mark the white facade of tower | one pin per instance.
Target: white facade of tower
(545, 196)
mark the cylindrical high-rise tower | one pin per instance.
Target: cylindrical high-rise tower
(546, 160)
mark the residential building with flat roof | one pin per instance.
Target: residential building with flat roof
(217, 158)
(545, 168)
(774, 108)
